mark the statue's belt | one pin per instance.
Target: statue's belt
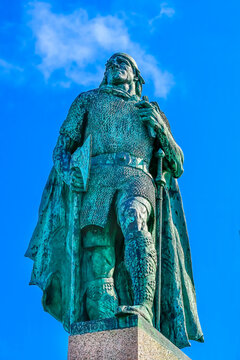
(122, 159)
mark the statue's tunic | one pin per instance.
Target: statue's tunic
(116, 128)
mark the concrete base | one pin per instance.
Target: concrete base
(139, 342)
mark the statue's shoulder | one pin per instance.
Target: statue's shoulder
(87, 97)
(76, 114)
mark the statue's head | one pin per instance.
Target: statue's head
(122, 68)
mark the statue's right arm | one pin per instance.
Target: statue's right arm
(69, 140)
(62, 156)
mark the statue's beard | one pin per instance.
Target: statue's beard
(119, 78)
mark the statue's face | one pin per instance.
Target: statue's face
(119, 71)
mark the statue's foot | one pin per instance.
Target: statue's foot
(125, 310)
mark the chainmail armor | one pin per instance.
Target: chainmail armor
(105, 183)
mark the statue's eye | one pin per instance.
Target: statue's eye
(108, 66)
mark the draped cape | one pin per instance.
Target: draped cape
(52, 262)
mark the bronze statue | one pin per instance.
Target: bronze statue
(94, 248)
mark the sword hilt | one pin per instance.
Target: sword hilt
(160, 181)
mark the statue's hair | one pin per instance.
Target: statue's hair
(138, 83)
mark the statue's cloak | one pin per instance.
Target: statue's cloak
(52, 262)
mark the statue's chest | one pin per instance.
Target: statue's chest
(113, 114)
(115, 126)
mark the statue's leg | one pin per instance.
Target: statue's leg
(140, 254)
(98, 268)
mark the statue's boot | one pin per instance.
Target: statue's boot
(101, 299)
(141, 263)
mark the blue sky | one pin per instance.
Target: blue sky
(189, 54)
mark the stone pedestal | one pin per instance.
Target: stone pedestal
(130, 338)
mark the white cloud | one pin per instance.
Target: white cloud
(163, 80)
(165, 10)
(79, 45)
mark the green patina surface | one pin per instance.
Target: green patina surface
(108, 242)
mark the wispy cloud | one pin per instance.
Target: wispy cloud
(7, 67)
(165, 10)
(79, 45)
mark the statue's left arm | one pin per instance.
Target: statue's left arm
(173, 152)
(151, 114)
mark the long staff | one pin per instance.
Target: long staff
(160, 182)
(74, 239)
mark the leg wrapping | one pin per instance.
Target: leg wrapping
(101, 301)
(141, 262)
